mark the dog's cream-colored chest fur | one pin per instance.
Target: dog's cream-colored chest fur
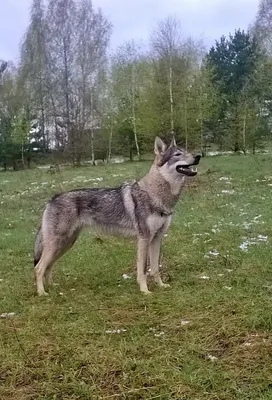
(158, 223)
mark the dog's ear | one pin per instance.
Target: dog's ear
(159, 146)
(173, 142)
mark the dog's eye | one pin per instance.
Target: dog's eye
(178, 154)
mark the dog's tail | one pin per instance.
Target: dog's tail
(38, 248)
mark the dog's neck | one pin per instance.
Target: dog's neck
(176, 182)
(163, 189)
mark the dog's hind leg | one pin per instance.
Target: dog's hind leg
(48, 278)
(52, 250)
(154, 255)
(67, 243)
(46, 261)
(142, 253)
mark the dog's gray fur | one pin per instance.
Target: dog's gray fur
(142, 209)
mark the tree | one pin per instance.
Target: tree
(33, 75)
(93, 33)
(166, 46)
(175, 60)
(8, 106)
(233, 61)
(262, 27)
(61, 44)
(20, 132)
(63, 60)
(109, 114)
(202, 107)
(127, 77)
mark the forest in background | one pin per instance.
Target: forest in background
(70, 97)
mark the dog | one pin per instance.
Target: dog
(142, 209)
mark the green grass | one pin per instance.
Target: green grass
(58, 347)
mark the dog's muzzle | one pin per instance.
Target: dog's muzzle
(190, 169)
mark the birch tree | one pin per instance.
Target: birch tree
(33, 78)
(166, 46)
(262, 27)
(127, 77)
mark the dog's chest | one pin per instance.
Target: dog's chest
(156, 223)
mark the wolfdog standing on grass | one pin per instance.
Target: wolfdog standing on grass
(142, 209)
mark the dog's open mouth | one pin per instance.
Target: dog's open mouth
(189, 170)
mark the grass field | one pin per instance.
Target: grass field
(97, 337)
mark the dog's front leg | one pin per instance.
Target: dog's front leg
(154, 255)
(142, 253)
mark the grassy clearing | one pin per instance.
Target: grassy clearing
(208, 337)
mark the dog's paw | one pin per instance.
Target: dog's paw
(146, 292)
(43, 294)
(165, 285)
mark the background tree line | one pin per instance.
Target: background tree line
(71, 98)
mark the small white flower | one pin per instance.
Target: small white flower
(211, 357)
(213, 253)
(184, 322)
(7, 315)
(118, 331)
(228, 191)
(262, 238)
(159, 334)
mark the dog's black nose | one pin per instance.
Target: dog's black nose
(197, 158)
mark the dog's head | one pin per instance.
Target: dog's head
(177, 160)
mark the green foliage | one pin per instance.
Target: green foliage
(87, 105)
(234, 62)
(20, 129)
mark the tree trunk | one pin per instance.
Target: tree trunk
(136, 137)
(186, 123)
(171, 94)
(66, 89)
(110, 144)
(57, 139)
(15, 165)
(22, 154)
(203, 151)
(45, 144)
(78, 160)
(92, 132)
(201, 133)
(254, 138)
(134, 115)
(244, 131)
(92, 147)
(28, 161)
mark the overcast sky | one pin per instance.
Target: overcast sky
(134, 19)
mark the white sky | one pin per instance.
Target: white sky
(134, 19)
